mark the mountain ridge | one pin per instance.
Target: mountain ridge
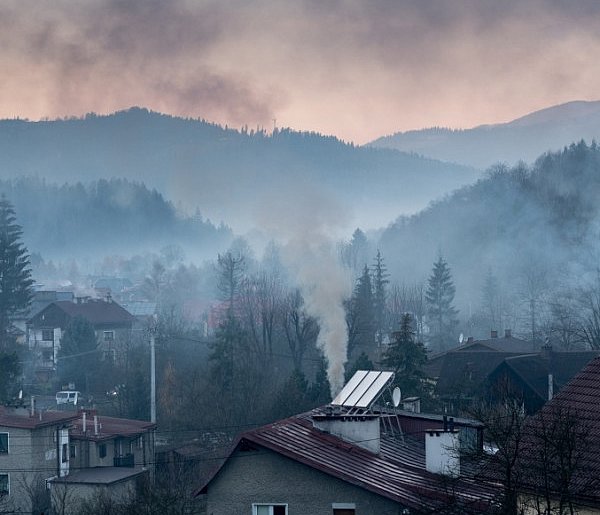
(524, 138)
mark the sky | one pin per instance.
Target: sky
(354, 69)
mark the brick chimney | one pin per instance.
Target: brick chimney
(507, 333)
(494, 334)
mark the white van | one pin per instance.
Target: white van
(67, 397)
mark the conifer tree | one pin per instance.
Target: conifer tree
(439, 297)
(361, 317)
(16, 285)
(380, 282)
(406, 358)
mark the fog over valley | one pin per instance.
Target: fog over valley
(311, 257)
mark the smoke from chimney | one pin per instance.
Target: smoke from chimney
(324, 286)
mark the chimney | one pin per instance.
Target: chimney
(507, 333)
(360, 430)
(442, 450)
(470, 339)
(494, 334)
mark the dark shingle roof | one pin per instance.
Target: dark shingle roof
(397, 472)
(97, 312)
(580, 399)
(466, 371)
(534, 369)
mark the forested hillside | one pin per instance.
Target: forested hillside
(533, 231)
(228, 173)
(105, 217)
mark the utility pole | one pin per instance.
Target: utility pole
(153, 372)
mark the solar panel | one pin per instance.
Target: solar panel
(363, 389)
(349, 387)
(373, 392)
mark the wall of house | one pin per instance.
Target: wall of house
(33, 457)
(87, 453)
(72, 494)
(266, 477)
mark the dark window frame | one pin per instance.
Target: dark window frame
(6, 491)
(4, 448)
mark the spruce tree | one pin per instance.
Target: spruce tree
(406, 358)
(361, 317)
(16, 285)
(439, 297)
(380, 282)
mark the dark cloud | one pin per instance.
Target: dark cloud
(357, 68)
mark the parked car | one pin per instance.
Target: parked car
(68, 397)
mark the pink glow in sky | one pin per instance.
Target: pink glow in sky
(356, 69)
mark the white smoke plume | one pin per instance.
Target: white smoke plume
(305, 227)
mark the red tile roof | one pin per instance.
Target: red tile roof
(397, 473)
(20, 418)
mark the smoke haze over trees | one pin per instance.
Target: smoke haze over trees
(229, 174)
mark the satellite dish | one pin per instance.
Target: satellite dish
(396, 396)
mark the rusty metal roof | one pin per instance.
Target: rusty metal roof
(397, 472)
(108, 427)
(21, 418)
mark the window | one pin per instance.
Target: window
(102, 450)
(109, 336)
(47, 335)
(72, 451)
(343, 508)
(109, 355)
(269, 509)
(64, 455)
(3, 443)
(4, 484)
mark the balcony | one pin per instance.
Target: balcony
(124, 461)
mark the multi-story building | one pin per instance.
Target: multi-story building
(34, 447)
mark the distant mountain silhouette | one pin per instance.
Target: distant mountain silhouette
(524, 139)
(228, 174)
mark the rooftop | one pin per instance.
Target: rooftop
(100, 475)
(108, 427)
(21, 418)
(95, 311)
(397, 472)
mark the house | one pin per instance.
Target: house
(108, 455)
(491, 369)
(508, 344)
(533, 379)
(566, 466)
(34, 447)
(112, 325)
(344, 459)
